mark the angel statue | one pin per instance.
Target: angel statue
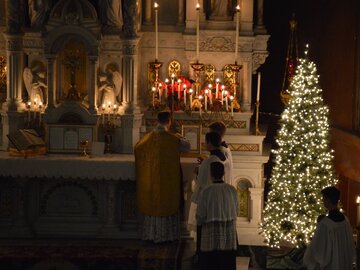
(34, 84)
(109, 87)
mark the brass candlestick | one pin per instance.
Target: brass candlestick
(198, 68)
(84, 144)
(257, 130)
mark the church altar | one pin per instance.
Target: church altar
(80, 71)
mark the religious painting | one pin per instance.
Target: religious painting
(193, 134)
(242, 189)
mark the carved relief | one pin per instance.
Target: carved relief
(129, 49)
(174, 68)
(258, 60)
(209, 74)
(217, 44)
(3, 71)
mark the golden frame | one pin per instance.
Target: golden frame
(193, 133)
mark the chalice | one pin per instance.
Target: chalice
(84, 144)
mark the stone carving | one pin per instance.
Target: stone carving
(220, 10)
(130, 17)
(35, 85)
(217, 44)
(258, 60)
(111, 13)
(38, 11)
(110, 84)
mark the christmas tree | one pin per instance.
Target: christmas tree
(303, 163)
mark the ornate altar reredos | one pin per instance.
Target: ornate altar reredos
(77, 63)
(80, 70)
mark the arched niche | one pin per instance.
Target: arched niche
(243, 186)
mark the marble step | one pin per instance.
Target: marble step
(242, 263)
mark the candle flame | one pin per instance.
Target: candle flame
(238, 8)
(197, 6)
(231, 97)
(200, 97)
(358, 199)
(156, 5)
(190, 90)
(217, 80)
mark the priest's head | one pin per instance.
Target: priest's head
(217, 170)
(331, 197)
(213, 140)
(219, 127)
(164, 118)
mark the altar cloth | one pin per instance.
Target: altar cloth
(107, 167)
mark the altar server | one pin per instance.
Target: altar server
(332, 247)
(158, 177)
(216, 215)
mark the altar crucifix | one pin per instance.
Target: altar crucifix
(72, 63)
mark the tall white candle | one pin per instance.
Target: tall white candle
(258, 87)
(156, 32)
(232, 105)
(206, 97)
(237, 32)
(179, 89)
(184, 86)
(217, 88)
(358, 211)
(109, 109)
(190, 95)
(153, 96)
(210, 94)
(197, 31)
(166, 88)
(200, 98)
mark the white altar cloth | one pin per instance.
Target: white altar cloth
(107, 167)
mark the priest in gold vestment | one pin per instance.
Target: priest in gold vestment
(158, 176)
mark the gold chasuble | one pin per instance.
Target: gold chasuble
(157, 158)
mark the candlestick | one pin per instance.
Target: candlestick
(109, 108)
(103, 113)
(156, 32)
(166, 88)
(114, 115)
(226, 101)
(172, 84)
(217, 88)
(35, 100)
(184, 87)
(179, 89)
(358, 211)
(222, 94)
(258, 87)
(206, 95)
(210, 93)
(232, 105)
(237, 32)
(197, 31)
(40, 107)
(29, 107)
(200, 98)
(190, 95)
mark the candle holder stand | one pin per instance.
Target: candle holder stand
(109, 128)
(257, 130)
(198, 68)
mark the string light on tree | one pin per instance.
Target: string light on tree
(303, 163)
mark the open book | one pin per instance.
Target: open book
(24, 139)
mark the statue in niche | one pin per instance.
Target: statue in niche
(131, 17)
(109, 87)
(34, 80)
(38, 10)
(110, 12)
(220, 10)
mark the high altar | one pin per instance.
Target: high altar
(98, 71)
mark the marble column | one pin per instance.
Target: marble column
(259, 26)
(131, 118)
(256, 198)
(50, 82)
(148, 9)
(92, 84)
(245, 79)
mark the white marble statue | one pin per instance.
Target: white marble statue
(38, 10)
(111, 13)
(220, 10)
(109, 87)
(35, 85)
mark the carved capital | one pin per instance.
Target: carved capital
(129, 49)
(217, 44)
(13, 44)
(258, 60)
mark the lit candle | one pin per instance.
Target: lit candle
(232, 105)
(237, 32)
(200, 98)
(206, 95)
(29, 107)
(109, 108)
(160, 92)
(166, 88)
(40, 107)
(358, 211)
(172, 84)
(114, 112)
(222, 94)
(156, 32)
(103, 113)
(179, 89)
(197, 31)
(258, 87)
(184, 86)
(35, 100)
(226, 101)
(217, 88)
(190, 95)
(210, 93)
